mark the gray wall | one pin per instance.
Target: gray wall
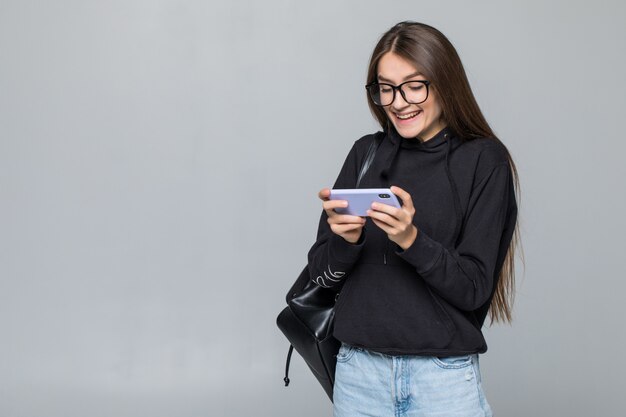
(159, 169)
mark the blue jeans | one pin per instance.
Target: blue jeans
(373, 384)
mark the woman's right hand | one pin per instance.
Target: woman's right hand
(345, 225)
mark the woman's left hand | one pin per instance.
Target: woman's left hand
(396, 222)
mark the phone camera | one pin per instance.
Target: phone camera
(383, 195)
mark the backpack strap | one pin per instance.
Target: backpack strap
(369, 157)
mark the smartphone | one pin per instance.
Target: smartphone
(360, 199)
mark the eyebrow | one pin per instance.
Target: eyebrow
(415, 74)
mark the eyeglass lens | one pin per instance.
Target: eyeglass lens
(414, 92)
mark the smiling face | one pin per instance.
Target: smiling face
(410, 120)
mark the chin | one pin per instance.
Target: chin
(408, 132)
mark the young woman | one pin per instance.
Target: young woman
(417, 282)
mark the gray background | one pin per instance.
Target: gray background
(159, 169)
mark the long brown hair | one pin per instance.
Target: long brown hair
(433, 55)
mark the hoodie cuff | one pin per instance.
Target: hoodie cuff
(423, 254)
(343, 251)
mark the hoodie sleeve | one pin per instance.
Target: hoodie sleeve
(331, 257)
(464, 276)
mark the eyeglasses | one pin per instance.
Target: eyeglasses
(413, 92)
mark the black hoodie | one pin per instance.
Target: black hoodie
(433, 297)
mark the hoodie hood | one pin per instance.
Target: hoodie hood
(438, 143)
(441, 142)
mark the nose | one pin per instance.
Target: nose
(401, 101)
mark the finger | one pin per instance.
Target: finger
(394, 217)
(345, 218)
(384, 226)
(385, 208)
(338, 229)
(407, 201)
(330, 204)
(324, 194)
(390, 221)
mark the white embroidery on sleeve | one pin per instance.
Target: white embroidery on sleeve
(331, 276)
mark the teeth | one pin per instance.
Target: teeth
(406, 116)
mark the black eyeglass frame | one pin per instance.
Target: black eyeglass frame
(399, 88)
